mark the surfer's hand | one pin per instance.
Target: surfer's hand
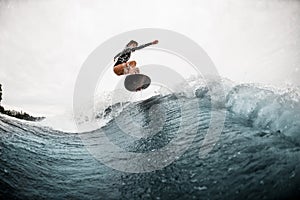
(155, 42)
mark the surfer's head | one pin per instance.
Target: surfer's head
(132, 44)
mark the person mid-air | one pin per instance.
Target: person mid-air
(122, 66)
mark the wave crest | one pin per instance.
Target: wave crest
(274, 109)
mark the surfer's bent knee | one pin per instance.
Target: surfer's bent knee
(132, 63)
(119, 69)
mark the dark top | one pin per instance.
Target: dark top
(124, 56)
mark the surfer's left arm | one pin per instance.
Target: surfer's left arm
(144, 45)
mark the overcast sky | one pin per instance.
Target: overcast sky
(44, 43)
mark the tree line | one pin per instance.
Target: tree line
(17, 114)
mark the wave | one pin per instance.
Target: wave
(267, 107)
(261, 106)
(41, 163)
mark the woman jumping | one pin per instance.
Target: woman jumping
(122, 66)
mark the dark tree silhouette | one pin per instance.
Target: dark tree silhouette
(17, 114)
(0, 93)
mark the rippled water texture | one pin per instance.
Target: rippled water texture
(256, 157)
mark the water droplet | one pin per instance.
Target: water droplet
(200, 188)
(192, 175)
(292, 174)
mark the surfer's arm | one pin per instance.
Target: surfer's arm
(145, 45)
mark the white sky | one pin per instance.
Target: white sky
(43, 43)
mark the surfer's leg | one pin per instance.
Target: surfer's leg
(126, 68)
(132, 67)
(120, 69)
(134, 70)
(131, 63)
